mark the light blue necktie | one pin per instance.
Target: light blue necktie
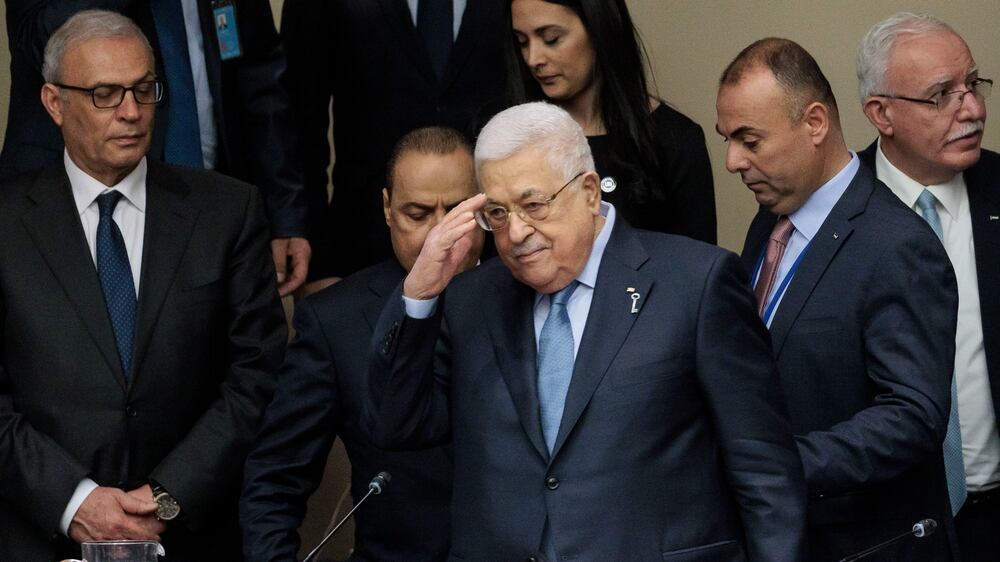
(555, 363)
(954, 464)
(115, 273)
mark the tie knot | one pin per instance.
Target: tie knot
(782, 230)
(561, 297)
(106, 203)
(926, 201)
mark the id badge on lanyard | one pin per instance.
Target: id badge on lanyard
(226, 31)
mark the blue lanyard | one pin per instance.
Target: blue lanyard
(769, 311)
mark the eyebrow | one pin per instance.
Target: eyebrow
(740, 131)
(413, 205)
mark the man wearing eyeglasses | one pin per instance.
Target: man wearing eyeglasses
(922, 90)
(609, 392)
(140, 324)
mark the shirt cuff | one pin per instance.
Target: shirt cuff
(83, 489)
(419, 309)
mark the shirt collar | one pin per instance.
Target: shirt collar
(588, 276)
(949, 193)
(86, 189)
(811, 215)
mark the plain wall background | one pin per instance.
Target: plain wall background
(690, 42)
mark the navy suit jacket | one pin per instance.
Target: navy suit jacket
(367, 56)
(321, 393)
(983, 183)
(864, 339)
(209, 335)
(674, 442)
(254, 135)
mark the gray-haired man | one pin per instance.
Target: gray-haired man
(921, 88)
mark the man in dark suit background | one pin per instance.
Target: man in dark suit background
(223, 110)
(390, 66)
(661, 435)
(861, 303)
(921, 89)
(131, 388)
(323, 385)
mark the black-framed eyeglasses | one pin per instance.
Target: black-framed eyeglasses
(112, 95)
(535, 208)
(947, 102)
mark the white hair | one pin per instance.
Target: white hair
(84, 26)
(536, 124)
(876, 46)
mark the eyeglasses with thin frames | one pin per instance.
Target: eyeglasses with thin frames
(946, 102)
(494, 217)
(112, 95)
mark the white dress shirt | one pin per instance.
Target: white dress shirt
(980, 441)
(807, 221)
(130, 216)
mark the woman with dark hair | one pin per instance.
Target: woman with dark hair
(586, 57)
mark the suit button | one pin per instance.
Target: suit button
(552, 482)
(130, 412)
(532, 559)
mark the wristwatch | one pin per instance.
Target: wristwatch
(167, 508)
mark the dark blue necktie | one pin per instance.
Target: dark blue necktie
(182, 138)
(435, 22)
(116, 279)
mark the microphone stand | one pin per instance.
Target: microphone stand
(923, 528)
(374, 487)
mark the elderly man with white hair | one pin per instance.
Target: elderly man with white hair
(921, 88)
(609, 392)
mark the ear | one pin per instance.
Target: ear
(817, 118)
(385, 205)
(591, 188)
(53, 102)
(877, 111)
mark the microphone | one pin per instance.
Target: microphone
(382, 479)
(376, 486)
(921, 529)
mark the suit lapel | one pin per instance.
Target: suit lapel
(822, 249)
(984, 208)
(381, 286)
(513, 335)
(608, 323)
(757, 235)
(55, 227)
(169, 223)
(477, 16)
(400, 22)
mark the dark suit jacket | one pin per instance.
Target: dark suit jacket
(209, 334)
(983, 183)
(322, 390)
(255, 142)
(674, 442)
(367, 56)
(864, 338)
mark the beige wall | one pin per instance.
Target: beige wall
(691, 41)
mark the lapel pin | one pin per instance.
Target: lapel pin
(608, 184)
(835, 236)
(995, 217)
(635, 299)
